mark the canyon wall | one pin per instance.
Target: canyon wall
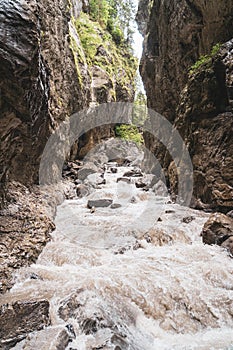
(36, 94)
(45, 77)
(199, 100)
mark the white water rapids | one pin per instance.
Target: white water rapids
(124, 285)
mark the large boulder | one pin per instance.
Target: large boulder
(52, 338)
(99, 203)
(20, 318)
(219, 230)
(88, 169)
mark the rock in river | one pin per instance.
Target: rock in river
(21, 318)
(101, 203)
(218, 229)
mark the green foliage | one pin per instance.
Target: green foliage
(139, 114)
(199, 62)
(205, 59)
(116, 17)
(100, 11)
(129, 133)
(126, 13)
(215, 49)
(116, 60)
(115, 32)
(78, 57)
(89, 33)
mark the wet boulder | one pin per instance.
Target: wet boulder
(82, 190)
(95, 179)
(87, 169)
(94, 319)
(140, 184)
(70, 170)
(188, 219)
(218, 230)
(54, 338)
(228, 244)
(99, 203)
(20, 318)
(133, 173)
(124, 179)
(113, 170)
(230, 214)
(115, 206)
(147, 181)
(160, 189)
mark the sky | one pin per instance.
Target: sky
(137, 46)
(138, 40)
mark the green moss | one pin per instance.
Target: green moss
(78, 57)
(112, 93)
(129, 133)
(90, 36)
(205, 59)
(69, 6)
(215, 49)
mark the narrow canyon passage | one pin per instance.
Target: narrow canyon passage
(108, 126)
(130, 275)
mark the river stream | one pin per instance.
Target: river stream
(136, 277)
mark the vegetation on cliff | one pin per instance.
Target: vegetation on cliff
(116, 17)
(102, 44)
(205, 59)
(133, 132)
(129, 133)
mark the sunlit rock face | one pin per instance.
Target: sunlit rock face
(199, 104)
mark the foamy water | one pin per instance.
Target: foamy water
(150, 284)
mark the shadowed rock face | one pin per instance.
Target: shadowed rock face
(205, 120)
(39, 88)
(36, 93)
(176, 34)
(200, 104)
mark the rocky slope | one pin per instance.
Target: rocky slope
(46, 76)
(199, 103)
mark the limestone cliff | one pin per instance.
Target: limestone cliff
(46, 76)
(198, 102)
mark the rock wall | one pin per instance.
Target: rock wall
(45, 77)
(35, 92)
(198, 103)
(112, 70)
(176, 34)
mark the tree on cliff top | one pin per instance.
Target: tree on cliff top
(116, 17)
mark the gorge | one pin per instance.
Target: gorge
(111, 256)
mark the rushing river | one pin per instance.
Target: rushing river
(135, 277)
